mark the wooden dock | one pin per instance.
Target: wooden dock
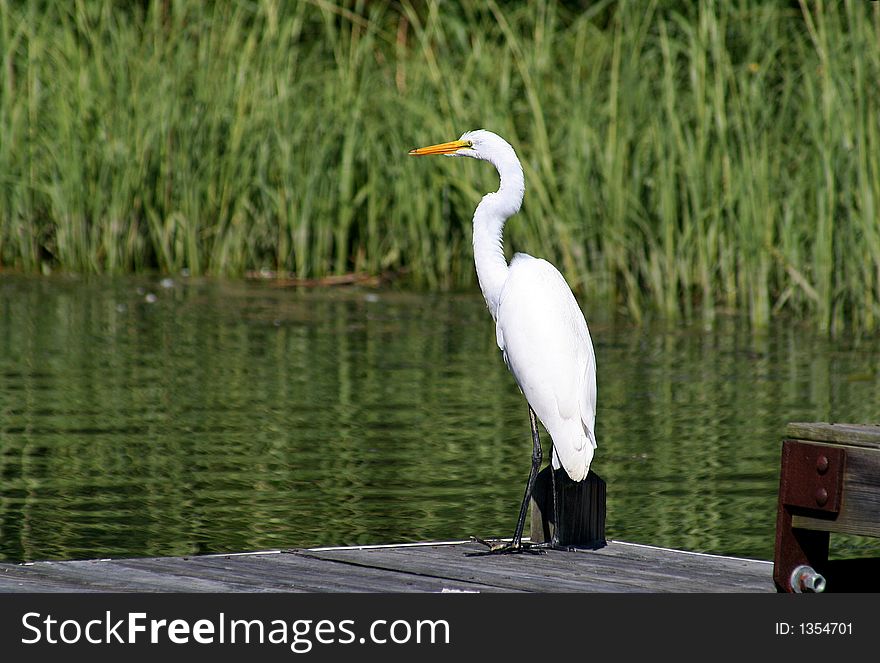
(421, 567)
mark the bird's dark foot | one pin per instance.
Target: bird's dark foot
(553, 544)
(507, 548)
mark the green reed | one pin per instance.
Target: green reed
(681, 159)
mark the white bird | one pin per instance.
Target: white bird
(539, 326)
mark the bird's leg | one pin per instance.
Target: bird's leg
(516, 545)
(537, 456)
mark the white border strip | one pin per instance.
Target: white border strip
(690, 552)
(378, 546)
(381, 546)
(425, 544)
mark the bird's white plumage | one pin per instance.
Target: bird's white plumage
(539, 325)
(547, 346)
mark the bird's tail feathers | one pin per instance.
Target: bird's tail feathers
(575, 458)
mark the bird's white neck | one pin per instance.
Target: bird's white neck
(489, 218)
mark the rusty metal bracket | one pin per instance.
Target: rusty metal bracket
(810, 483)
(812, 476)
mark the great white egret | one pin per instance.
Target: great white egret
(539, 326)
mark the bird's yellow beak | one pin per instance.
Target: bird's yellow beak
(441, 148)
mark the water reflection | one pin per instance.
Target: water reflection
(217, 416)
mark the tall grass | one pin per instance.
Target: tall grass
(681, 159)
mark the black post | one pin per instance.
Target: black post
(581, 509)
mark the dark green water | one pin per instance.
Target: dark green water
(234, 416)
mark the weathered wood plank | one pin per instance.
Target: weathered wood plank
(716, 573)
(313, 575)
(112, 575)
(618, 567)
(860, 505)
(858, 435)
(615, 568)
(515, 572)
(275, 572)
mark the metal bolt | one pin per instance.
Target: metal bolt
(805, 579)
(822, 464)
(821, 497)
